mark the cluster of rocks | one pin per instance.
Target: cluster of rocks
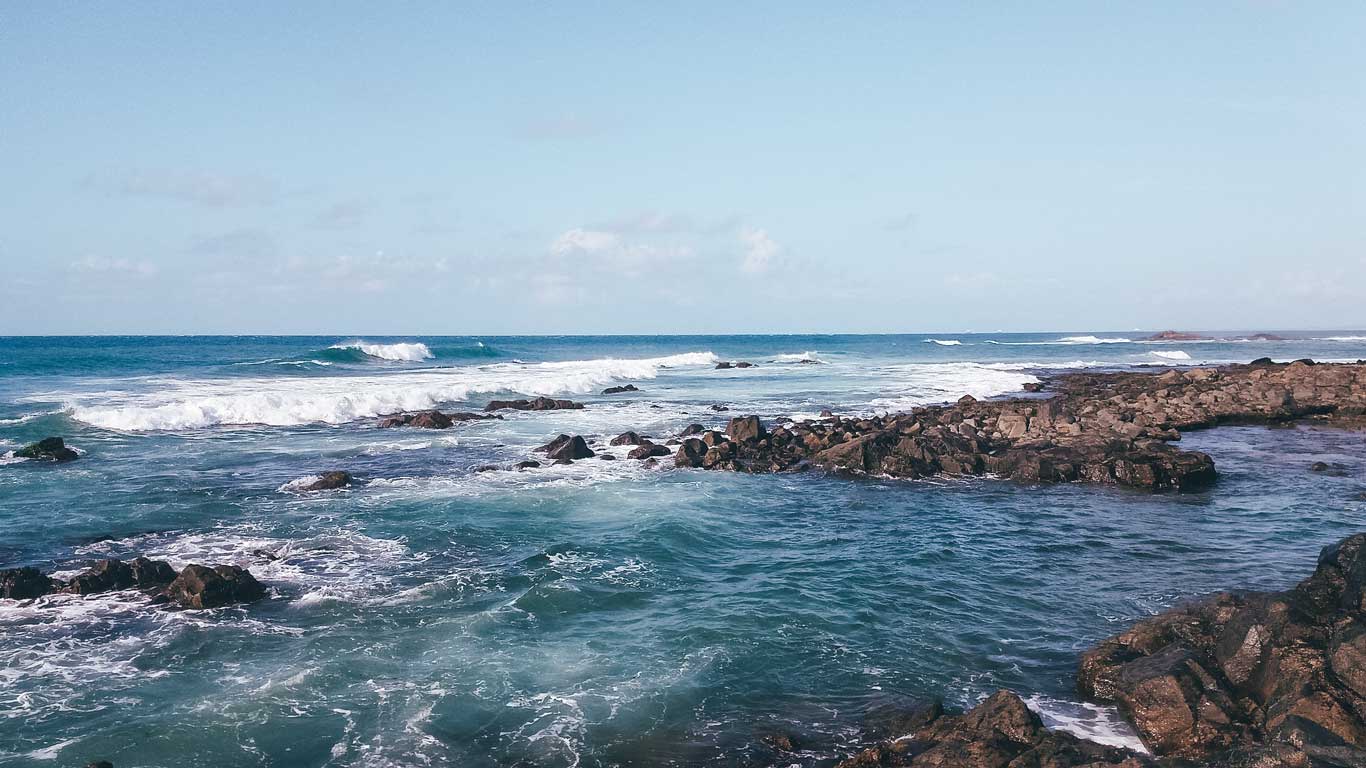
(194, 586)
(1245, 680)
(49, 448)
(619, 390)
(535, 404)
(432, 419)
(1099, 427)
(727, 365)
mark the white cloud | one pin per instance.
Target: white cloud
(211, 190)
(589, 241)
(759, 250)
(106, 265)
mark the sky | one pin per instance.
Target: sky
(444, 168)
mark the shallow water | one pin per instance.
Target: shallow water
(595, 614)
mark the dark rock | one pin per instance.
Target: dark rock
(1265, 337)
(606, 457)
(746, 429)
(51, 448)
(1262, 361)
(1033, 386)
(690, 453)
(650, 463)
(200, 587)
(692, 429)
(24, 583)
(528, 464)
(486, 468)
(827, 414)
(432, 419)
(627, 438)
(563, 460)
(328, 481)
(567, 447)
(1175, 336)
(647, 450)
(997, 733)
(743, 364)
(1320, 466)
(619, 390)
(720, 408)
(538, 404)
(728, 365)
(724, 366)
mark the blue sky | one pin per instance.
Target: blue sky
(628, 168)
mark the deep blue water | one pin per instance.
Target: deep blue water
(595, 614)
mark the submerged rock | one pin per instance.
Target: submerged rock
(49, 448)
(327, 481)
(1257, 678)
(198, 586)
(538, 404)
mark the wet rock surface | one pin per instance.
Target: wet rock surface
(1256, 678)
(621, 389)
(1112, 428)
(49, 448)
(328, 481)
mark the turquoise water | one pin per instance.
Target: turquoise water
(595, 614)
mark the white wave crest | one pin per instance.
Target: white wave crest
(1092, 340)
(1342, 338)
(796, 358)
(195, 404)
(1174, 354)
(945, 342)
(409, 352)
(927, 383)
(1102, 725)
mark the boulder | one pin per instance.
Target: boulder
(746, 429)
(528, 464)
(49, 448)
(24, 583)
(628, 438)
(621, 389)
(690, 453)
(198, 587)
(567, 447)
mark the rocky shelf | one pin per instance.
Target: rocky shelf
(1115, 428)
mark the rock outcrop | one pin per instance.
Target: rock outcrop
(49, 448)
(1113, 428)
(1268, 679)
(199, 587)
(621, 389)
(538, 404)
(1000, 732)
(432, 419)
(196, 586)
(1175, 336)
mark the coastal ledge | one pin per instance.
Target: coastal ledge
(1114, 428)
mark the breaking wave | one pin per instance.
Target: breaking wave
(945, 342)
(1174, 354)
(411, 352)
(195, 404)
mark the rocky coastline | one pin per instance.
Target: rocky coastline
(1110, 428)
(1243, 680)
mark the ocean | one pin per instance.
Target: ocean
(603, 613)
